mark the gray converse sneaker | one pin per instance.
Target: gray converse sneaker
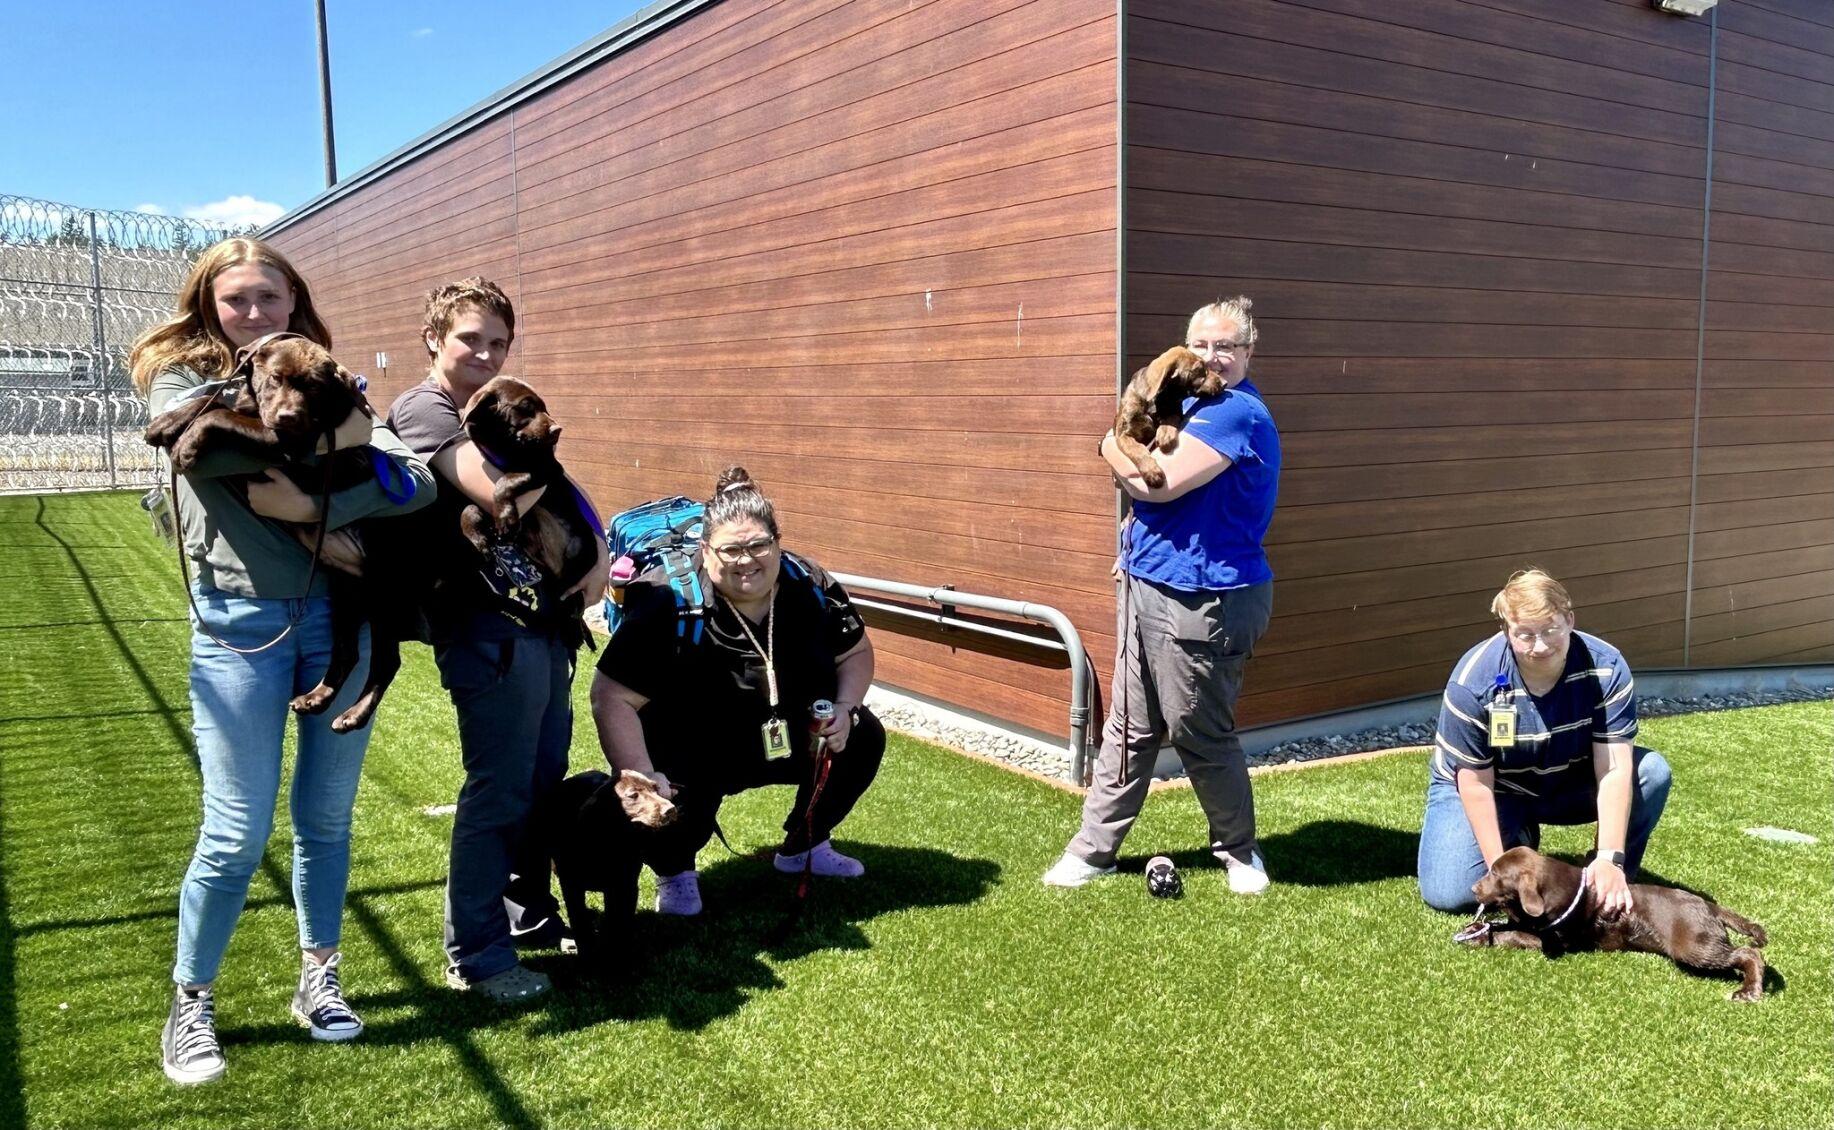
(319, 1002)
(188, 1047)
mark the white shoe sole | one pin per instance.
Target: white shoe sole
(191, 1078)
(326, 1035)
(1068, 884)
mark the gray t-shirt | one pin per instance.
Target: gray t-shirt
(235, 550)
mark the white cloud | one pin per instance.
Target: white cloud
(420, 32)
(237, 211)
(150, 209)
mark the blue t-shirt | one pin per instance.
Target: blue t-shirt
(1594, 701)
(1210, 538)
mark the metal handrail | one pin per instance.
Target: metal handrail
(1081, 674)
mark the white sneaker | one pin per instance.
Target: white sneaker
(1071, 871)
(822, 860)
(1246, 878)
(678, 894)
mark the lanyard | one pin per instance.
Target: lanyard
(770, 645)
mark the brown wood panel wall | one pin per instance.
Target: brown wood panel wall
(869, 251)
(1762, 574)
(866, 250)
(1474, 234)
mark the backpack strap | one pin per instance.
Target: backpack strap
(798, 569)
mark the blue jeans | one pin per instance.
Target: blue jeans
(512, 690)
(1450, 861)
(239, 711)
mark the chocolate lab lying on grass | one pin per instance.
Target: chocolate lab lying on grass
(1546, 910)
(286, 395)
(593, 824)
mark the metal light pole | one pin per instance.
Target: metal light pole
(324, 98)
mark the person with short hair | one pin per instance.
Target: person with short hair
(239, 521)
(1537, 727)
(1196, 594)
(712, 715)
(505, 652)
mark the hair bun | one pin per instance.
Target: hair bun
(1245, 302)
(734, 478)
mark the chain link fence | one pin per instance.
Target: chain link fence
(77, 286)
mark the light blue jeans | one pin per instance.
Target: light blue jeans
(1450, 861)
(239, 711)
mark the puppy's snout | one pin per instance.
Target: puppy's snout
(666, 813)
(554, 433)
(290, 418)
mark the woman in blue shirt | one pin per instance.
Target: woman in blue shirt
(1196, 595)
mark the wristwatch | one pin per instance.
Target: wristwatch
(1615, 858)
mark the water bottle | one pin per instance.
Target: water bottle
(623, 571)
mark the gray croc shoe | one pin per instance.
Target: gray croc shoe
(514, 985)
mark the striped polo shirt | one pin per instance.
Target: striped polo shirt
(1594, 701)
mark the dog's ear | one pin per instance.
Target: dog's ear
(1528, 890)
(355, 386)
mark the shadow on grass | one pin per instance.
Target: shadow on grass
(691, 972)
(1324, 853)
(688, 972)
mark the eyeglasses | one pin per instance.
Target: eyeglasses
(1550, 636)
(1217, 346)
(736, 552)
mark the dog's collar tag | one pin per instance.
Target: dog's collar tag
(776, 739)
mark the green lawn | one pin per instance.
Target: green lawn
(948, 988)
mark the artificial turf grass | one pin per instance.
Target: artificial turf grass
(948, 988)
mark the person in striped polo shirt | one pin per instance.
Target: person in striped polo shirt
(1537, 727)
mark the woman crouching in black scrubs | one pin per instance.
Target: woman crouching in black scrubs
(709, 713)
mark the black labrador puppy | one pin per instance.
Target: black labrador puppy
(593, 825)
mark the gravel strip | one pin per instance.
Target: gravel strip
(1054, 761)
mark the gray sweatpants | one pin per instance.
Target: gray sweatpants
(1177, 672)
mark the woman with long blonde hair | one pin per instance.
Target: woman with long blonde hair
(259, 637)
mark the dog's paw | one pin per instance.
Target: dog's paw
(1747, 996)
(315, 701)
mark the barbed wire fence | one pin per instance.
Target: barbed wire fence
(77, 286)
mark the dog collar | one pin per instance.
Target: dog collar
(1585, 880)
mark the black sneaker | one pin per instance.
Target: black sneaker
(319, 1002)
(188, 1047)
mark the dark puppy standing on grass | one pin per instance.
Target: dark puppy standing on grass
(288, 394)
(594, 824)
(1543, 900)
(511, 425)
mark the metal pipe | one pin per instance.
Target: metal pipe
(1081, 674)
(960, 625)
(101, 365)
(324, 97)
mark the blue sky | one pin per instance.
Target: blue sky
(211, 109)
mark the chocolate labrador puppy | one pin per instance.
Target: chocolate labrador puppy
(1536, 892)
(593, 823)
(510, 424)
(295, 394)
(1153, 406)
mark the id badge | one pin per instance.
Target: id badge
(1502, 726)
(776, 739)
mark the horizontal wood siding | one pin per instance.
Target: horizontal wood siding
(1472, 233)
(865, 250)
(1764, 542)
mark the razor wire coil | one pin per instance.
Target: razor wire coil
(77, 286)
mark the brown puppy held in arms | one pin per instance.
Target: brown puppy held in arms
(297, 394)
(511, 426)
(1152, 407)
(1536, 891)
(594, 824)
